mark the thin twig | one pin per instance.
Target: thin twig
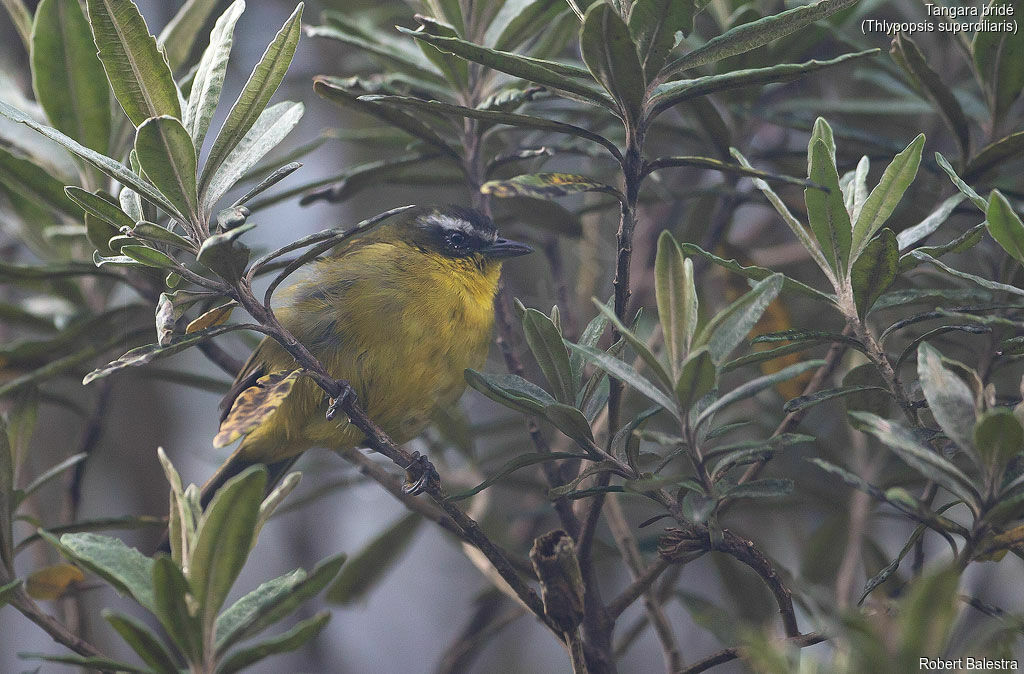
(725, 655)
(639, 586)
(631, 554)
(57, 630)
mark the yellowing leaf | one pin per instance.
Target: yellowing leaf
(51, 582)
(254, 405)
(212, 318)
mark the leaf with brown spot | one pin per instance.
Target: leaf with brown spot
(214, 317)
(254, 405)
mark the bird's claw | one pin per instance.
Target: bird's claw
(419, 474)
(347, 394)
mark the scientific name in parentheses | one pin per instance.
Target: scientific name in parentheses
(982, 21)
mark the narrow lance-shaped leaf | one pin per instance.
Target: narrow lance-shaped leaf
(223, 539)
(999, 60)
(949, 397)
(826, 211)
(887, 194)
(168, 157)
(262, 84)
(748, 36)
(270, 129)
(966, 189)
(362, 571)
(932, 222)
(727, 329)
(1005, 226)
(108, 166)
(676, 297)
(546, 186)
(180, 33)
(294, 638)
(609, 52)
(67, 76)
(653, 25)
(627, 374)
(874, 270)
(145, 644)
(914, 61)
(137, 70)
(547, 347)
(209, 79)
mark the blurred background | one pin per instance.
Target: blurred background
(411, 618)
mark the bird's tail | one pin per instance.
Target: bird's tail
(235, 464)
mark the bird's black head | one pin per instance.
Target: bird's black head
(456, 231)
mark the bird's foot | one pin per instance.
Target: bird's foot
(347, 394)
(419, 474)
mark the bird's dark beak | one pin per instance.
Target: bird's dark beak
(502, 248)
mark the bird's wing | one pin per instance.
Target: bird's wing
(254, 368)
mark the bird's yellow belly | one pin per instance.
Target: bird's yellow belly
(403, 360)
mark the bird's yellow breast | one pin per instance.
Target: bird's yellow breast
(400, 324)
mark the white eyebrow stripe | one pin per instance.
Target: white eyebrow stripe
(449, 223)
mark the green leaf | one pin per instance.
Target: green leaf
(527, 20)
(753, 387)
(730, 327)
(545, 186)
(146, 644)
(979, 280)
(545, 342)
(223, 254)
(126, 569)
(887, 194)
(749, 36)
(610, 54)
(766, 488)
(637, 344)
(341, 91)
(723, 166)
(915, 63)
(960, 184)
(969, 239)
(151, 257)
(289, 641)
(799, 231)
(179, 35)
(108, 166)
(532, 70)
(673, 93)
(168, 157)
(95, 663)
(999, 61)
(676, 297)
(256, 93)
(273, 601)
(949, 397)
(1005, 226)
(273, 125)
(54, 472)
(994, 154)
(7, 591)
(653, 25)
(25, 179)
(209, 79)
(8, 499)
(627, 374)
(224, 537)
(756, 273)
(697, 378)
(172, 593)
(67, 77)
(492, 116)
(874, 270)
(364, 570)
(998, 436)
(806, 402)
(137, 70)
(826, 211)
(150, 352)
(455, 70)
(926, 227)
(100, 207)
(511, 391)
(521, 461)
(919, 457)
(147, 231)
(570, 421)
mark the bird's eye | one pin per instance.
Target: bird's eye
(457, 239)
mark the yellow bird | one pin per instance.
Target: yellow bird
(399, 313)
